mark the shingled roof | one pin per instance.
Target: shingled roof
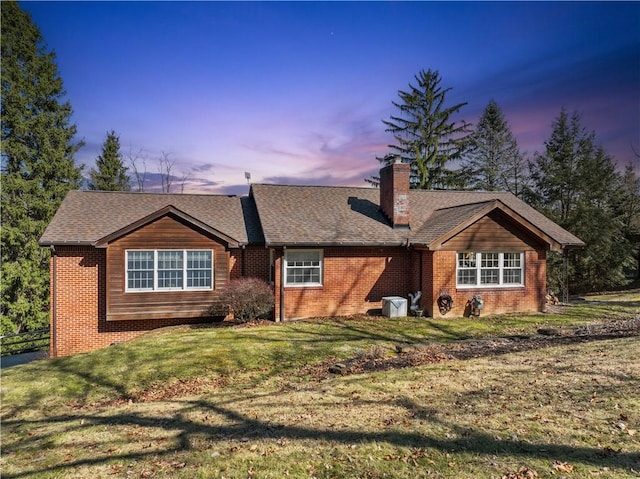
(323, 216)
(87, 217)
(277, 215)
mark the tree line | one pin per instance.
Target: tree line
(573, 181)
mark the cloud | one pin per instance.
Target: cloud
(203, 168)
(597, 84)
(265, 147)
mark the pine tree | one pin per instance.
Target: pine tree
(111, 174)
(427, 137)
(627, 203)
(575, 182)
(493, 161)
(37, 167)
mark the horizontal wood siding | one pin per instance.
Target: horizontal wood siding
(165, 233)
(494, 232)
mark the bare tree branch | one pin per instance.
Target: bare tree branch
(165, 166)
(138, 164)
(186, 177)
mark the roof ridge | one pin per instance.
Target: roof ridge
(155, 193)
(468, 192)
(316, 186)
(473, 203)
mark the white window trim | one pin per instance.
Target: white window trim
(308, 284)
(478, 269)
(157, 289)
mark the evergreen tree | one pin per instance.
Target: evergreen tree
(627, 203)
(493, 161)
(427, 137)
(575, 182)
(37, 166)
(111, 174)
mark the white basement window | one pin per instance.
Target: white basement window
(169, 270)
(489, 269)
(303, 267)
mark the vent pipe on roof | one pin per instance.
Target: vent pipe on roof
(394, 193)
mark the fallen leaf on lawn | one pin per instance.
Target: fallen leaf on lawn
(562, 466)
(524, 473)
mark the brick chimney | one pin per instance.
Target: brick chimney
(394, 193)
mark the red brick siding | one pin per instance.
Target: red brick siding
(394, 193)
(428, 280)
(78, 293)
(354, 281)
(529, 298)
(252, 262)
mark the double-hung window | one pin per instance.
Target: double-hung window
(303, 267)
(169, 270)
(490, 269)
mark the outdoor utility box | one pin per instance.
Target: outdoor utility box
(394, 306)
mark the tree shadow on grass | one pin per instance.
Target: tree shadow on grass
(238, 426)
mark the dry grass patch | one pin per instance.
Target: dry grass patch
(566, 411)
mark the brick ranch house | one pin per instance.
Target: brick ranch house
(126, 263)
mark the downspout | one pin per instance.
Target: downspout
(565, 275)
(420, 270)
(282, 278)
(243, 261)
(53, 336)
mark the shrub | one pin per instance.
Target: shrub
(247, 298)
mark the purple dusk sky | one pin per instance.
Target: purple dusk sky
(295, 92)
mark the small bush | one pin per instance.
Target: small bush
(247, 298)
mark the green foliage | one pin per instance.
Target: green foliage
(574, 183)
(427, 137)
(493, 161)
(247, 298)
(37, 167)
(627, 207)
(111, 174)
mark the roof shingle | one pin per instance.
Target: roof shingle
(88, 216)
(322, 215)
(291, 215)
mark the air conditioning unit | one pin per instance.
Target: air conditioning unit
(394, 306)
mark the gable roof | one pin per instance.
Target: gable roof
(321, 215)
(445, 223)
(96, 217)
(279, 215)
(171, 211)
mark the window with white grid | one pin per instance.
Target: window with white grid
(199, 270)
(467, 269)
(140, 270)
(489, 269)
(303, 267)
(170, 266)
(512, 268)
(169, 270)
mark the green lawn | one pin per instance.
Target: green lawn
(244, 402)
